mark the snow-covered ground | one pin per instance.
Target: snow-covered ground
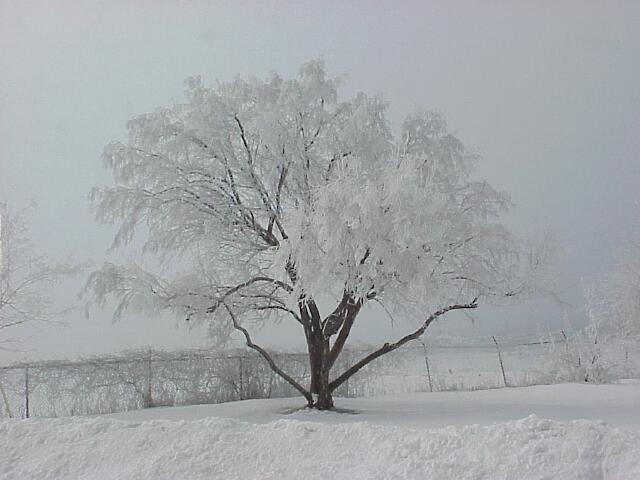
(546, 432)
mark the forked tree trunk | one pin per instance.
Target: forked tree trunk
(323, 356)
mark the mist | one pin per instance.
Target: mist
(546, 93)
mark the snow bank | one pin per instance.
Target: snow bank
(618, 405)
(216, 448)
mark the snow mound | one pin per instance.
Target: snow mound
(215, 448)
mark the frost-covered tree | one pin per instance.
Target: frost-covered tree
(26, 275)
(278, 198)
(622, 289)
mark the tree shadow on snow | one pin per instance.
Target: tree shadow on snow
(292, 410)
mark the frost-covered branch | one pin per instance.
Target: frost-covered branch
(389, 347)
(267, 357)
(26, 274)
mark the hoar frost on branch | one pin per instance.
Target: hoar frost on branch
(618, 295)
(26, 274)
(271, 198)
(623, 293)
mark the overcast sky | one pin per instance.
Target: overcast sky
(547, 92)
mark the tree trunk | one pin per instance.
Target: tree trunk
(315, 366)
(320, 367)
(325, 399)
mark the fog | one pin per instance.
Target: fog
(546, 92)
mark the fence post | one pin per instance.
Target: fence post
(149, 400)
(626, 359)
(26, 392)
(241, 375)
(566, 349)
(504, 377)
(271, 378)
(426, 361)
(6, 402)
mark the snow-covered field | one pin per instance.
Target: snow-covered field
(546, 432)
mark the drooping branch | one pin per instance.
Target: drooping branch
(25, 274)
(17, 322)
(287, 378)
(281, 308)
(242, 285)
(389, 347)
(188, 196)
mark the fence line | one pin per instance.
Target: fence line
(148, 378)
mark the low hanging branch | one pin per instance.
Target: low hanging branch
(389, 347)
(267, 357)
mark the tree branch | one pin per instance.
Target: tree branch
(284, 309)
(389, 347)
(268, 358)
(260, 187)
(348, 318)
(240, 286)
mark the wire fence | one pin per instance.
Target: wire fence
(152, 378)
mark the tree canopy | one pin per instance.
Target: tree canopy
(267, 198)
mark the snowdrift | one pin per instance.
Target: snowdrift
(217, 448)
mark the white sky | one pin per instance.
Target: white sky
(547, 92)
